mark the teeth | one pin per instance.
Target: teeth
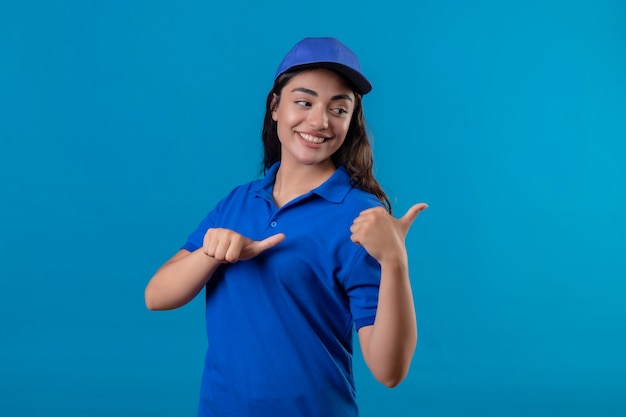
(312, 139)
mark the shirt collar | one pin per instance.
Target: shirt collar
(334, 189)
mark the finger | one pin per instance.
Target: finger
(271, 241)
(371, 210)
(367, 215)
(411, 215)
(259, 246)
(233, 252)
(220, 247)
(210, 242)
(362, 217)
(359, 228)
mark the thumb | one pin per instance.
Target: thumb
(411, 215)
(259, 246)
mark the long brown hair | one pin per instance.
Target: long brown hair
(355, 154)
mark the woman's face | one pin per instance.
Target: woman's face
(313, 117)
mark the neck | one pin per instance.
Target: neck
(294, 181)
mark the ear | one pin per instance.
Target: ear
(274, 106)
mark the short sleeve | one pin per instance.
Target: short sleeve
(196, 238)
(215, 218)
(362, 285)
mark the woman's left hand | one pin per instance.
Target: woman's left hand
(381, 234)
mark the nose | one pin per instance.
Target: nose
(318, 118)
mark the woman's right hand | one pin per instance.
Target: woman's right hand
(227, 246)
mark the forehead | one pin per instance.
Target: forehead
(321, 81)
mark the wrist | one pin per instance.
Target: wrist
(396, 263)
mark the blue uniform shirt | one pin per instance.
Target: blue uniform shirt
(280, 325)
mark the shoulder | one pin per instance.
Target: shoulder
(357, 200)
(242, 192)
(362, 198)
(340, 189)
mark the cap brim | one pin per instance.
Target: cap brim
(361, 84)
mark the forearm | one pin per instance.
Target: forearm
(179, 280)
(393, 337)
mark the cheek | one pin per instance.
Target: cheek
(284, 127)
(283, 118)
(343, 127)
(282, 124)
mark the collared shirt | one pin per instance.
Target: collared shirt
(280, 326)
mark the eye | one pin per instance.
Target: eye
(339, 110)
(303, 103)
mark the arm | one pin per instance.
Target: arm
(181, 278)
(388, 345)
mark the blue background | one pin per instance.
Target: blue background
(123, 123)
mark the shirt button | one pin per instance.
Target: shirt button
(273, 224)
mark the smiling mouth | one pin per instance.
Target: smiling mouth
(311, 139)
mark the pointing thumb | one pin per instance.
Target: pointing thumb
(267, 243)
(411, 215)
(271, 241)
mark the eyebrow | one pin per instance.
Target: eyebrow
(314, 94)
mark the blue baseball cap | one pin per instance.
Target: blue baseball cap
(325, 53)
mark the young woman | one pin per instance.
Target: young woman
(294, 263)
